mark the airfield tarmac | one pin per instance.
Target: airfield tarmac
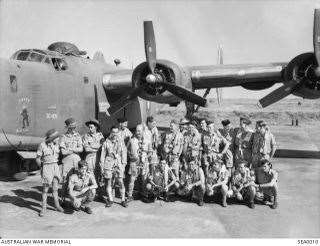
(298, 214)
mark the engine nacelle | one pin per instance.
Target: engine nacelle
(168, 71)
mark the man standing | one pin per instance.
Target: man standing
(124, 133)
(139, 151)
(191, 145)
(71, 147)
(243, 142)
(211, 142)
(47, 160)
(243, 184)
(267, 183)
(112, 162)
(171, 148)
(153, 133)
(228, 133)
(216, 180)
(82, 187)
(192, 182)
(264, 144)
(161, 180)
(92, 142)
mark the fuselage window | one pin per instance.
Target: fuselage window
(59, 64)
(22, 56)
(35, 57)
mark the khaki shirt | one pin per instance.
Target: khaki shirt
(70, 141)
(154, 136)
(80, 183)
(211, 143)
(228, 135)
(114, 149)
(242, 139)
(92, 143)
(162, 176)
(172, 143)
(192, 144)
(139, 149)
(125, 135)
(48, 153)
(241, 179)
(214, 176)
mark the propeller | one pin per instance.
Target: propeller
(292, 85)
(153, 77)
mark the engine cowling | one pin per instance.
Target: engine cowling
(168, 71)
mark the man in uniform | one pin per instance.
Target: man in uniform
(154, 136)
(171, 148)
(47, 160)
(161, 180)
(228, 133)
(70, 146)
(191, 145)
(242, 142)
(82, 187)
(92, 142)
(112, 162)
(211, 143)
(267, 183)
(217, 179)
(192, 182)
(243, 184)
(139, 151)
(124, 133)
(264, 144)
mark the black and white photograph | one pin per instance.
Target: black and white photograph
(161, 119)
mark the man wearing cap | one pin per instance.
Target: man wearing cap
(216, 180)
(192, 182)
(154, 136)
(124, 133)
(92, 142)
(112, 163)
(70, 146)
(160, 182)
(267, 183)
(82, 187)
(228, 133)
(264, 144)
(139, 152)
(211, 143)
(171, 148)
(47, 160)
(242, 142)
(243, 184)
(191, 145)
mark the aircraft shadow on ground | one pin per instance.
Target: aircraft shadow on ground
(290, 153)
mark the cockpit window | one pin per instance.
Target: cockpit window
(22, 56)
(59, 64)
(35, 57)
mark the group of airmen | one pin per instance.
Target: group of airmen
(193, 160)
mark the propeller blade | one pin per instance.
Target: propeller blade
(123, 101)
(150, 45)
(278, 94)
(316, 39)
(185, 94)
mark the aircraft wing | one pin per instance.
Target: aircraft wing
(253, 76)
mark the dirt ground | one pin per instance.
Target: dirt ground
(298, 214)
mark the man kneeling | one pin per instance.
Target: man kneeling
(160, 182)
(192, 182)
(242, 184)
(217, 179)
(82, 187)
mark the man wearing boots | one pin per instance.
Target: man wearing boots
(47, 160)
(82, 187)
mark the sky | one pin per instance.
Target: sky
(187, 32)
